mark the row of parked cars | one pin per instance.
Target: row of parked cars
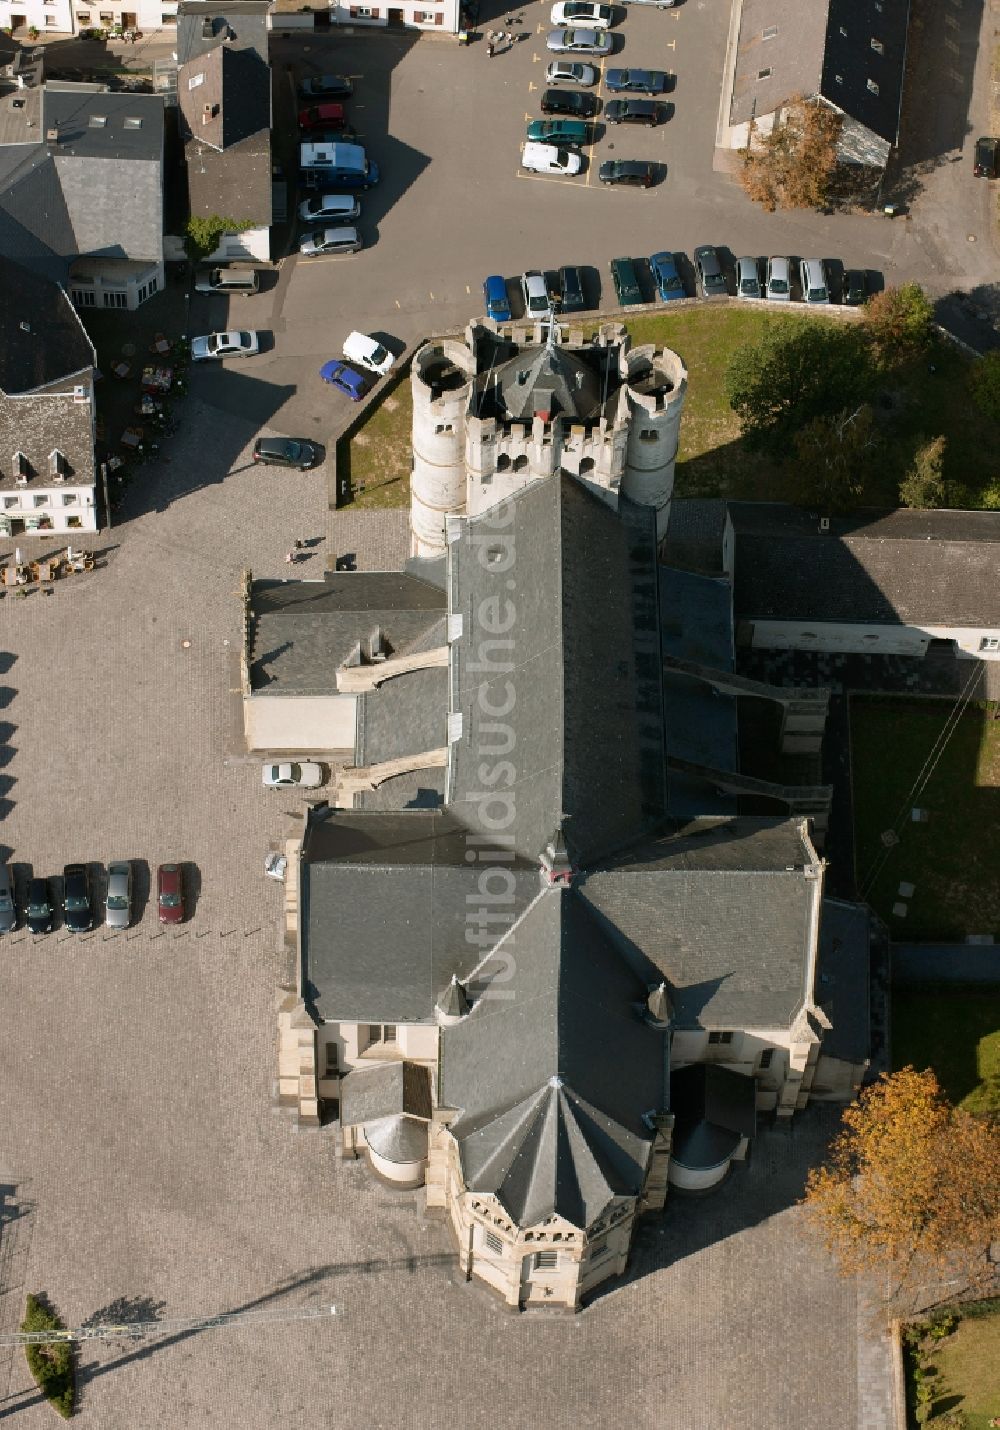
(76, 899)
(564, 290)
(334, 165)
(553, 143)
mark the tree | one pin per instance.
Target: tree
(792, 166)
(984, 379)
(797, 370)
(834, 454)
(203, 234)
(924, 485)
(911, 1184)
(897, 322)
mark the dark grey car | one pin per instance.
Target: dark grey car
(710, 275)
(8, 904)
(118, 903)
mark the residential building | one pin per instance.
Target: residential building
(71, 17)
(848, 54)
(544, 961)
(224, 97)
(440, 16)
(81, 190)
(47, 421)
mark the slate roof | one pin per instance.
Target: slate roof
(52, 346)
(842, 986)
(230, 100)
(694, 534)
(202, 25)
(549, 379)
(405, 716)
(388, 1090)
(582, 659)
(385, 911)
(922, 567)
(398, 1139)
(714, 1107)
(721, 909)
(811, 49)
(302, 631)
(97, 190)
(554, 1069)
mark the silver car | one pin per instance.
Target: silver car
(747, 278)
(118, 903)
(815, 288)
(568, 72)
(579, 42)
(779, 280)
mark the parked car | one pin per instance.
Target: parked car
(668, 281)
(568, 72)
(637, 81)
(549, 159)
(986, 163)
(323, 116)
(855, 286)
(326, 86)
(224, 345)
(293, 774)
(535, 292)
(343, 208)
(779, 280)
(569, 102)
(578, 12)
(8, 903)
(170, 894)
(345, 379)
(572, 298)
(77, 912)
(560, 131)
(496, 300)
(286, 452)
(628, 171)
(579, 42)
(633, 111)
(626, 282)
(118, 900)
(332, 241)
(275, 865)
(709, 269)
(233, 279)
(812, 276)
(747, 278)
(39, 912)
(337, 166)
(368, 352)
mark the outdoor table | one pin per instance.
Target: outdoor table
(121, 369)
(157, 379)
(132, 436)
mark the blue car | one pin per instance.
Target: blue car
(344, 378)
(497, 302)
(636, 81)
(665, 276)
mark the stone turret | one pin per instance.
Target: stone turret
(441, 381)
(655, 388)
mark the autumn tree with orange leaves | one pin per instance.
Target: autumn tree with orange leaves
(911, 1186)
(792, 166)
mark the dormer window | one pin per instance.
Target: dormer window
(872, 87)
(57, 465)
(878, 46)
(22, 470)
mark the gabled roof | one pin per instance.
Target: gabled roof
(388, 1090)
(554, 1069)
(714, 1107)
(42, 341)
(723, 910)
(552, 380)
(923, 567)
(224, 97)
(577, 673)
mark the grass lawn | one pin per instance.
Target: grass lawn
(957, 1033)
(711, 461)
(968, 1369)
(954, 859)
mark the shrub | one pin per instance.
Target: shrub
(984, 379)
(51, 1365)
(203, 234)
(898, 324)
(924, 485)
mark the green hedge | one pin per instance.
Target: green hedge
(51, 1365)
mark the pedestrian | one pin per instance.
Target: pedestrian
(290, 557)
(489, 49)
(298, 545)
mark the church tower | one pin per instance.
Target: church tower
(655, 387)
(441, 381)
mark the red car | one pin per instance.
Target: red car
(323, 116)
(170, 893)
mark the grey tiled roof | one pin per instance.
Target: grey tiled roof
(714, 1107)
(387, 1090)
(794, 55)
(405, 716)
(842, 979)
(929, 567)
(694, 534)
(51, 346)
(303, 630)
(385, 911)
(553, 1070)
(230, 100)
(582, 659)
(721, 910)
(398, 1139)
(421, 789)
(202, 25)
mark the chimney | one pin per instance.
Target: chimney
(52, 136)
(206, 114)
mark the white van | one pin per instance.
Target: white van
(550, 159)
(226, 280)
